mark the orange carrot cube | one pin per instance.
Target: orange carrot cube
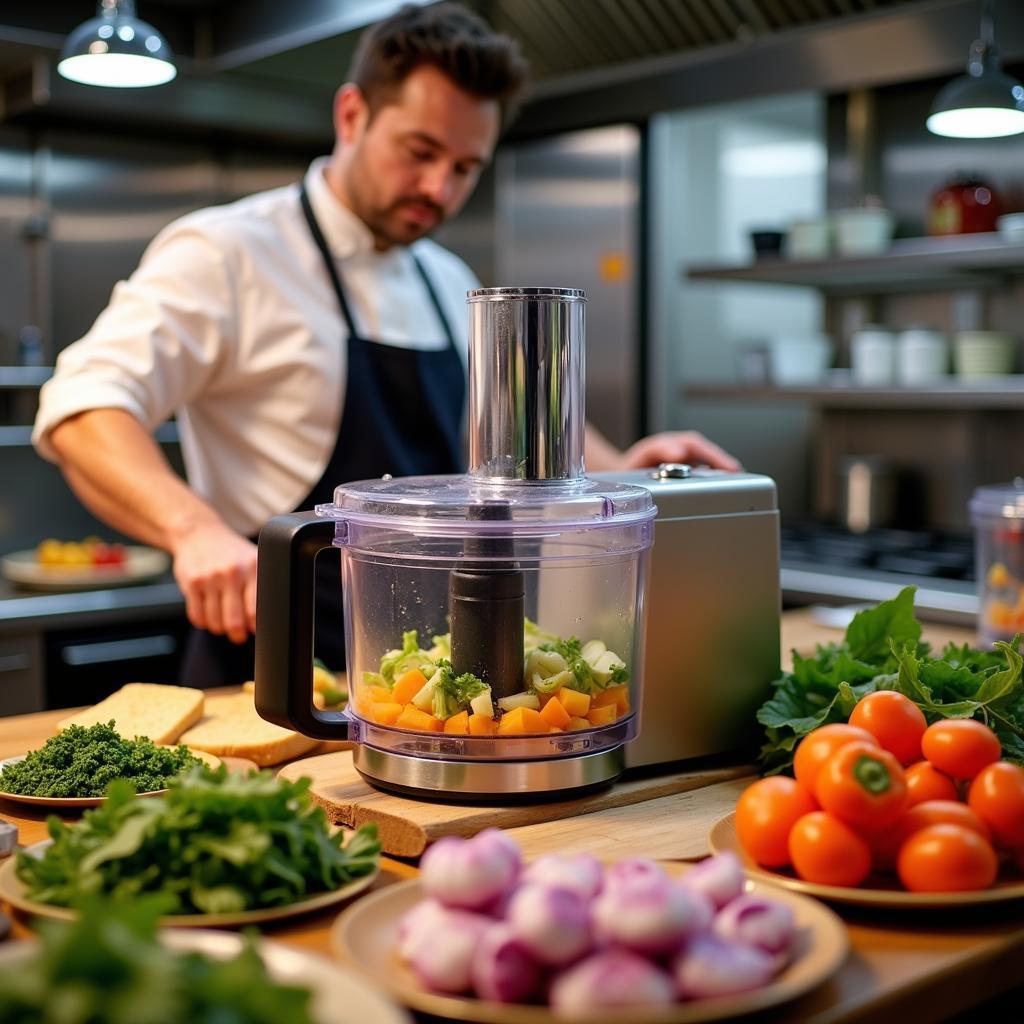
(576, 703)
(458, 724)
(384, 713)
(481, 725)
(615, 696)
(579, 723)
(554, 713)
(412, 718)
(407, 685)
(602, 716)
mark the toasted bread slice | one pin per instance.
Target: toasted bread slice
(161, 712)
(232, 728)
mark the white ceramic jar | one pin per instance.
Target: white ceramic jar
(922, 356)
(873, 356)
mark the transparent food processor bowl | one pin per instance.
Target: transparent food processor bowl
(580, 637)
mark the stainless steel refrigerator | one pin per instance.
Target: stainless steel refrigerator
(568, 214)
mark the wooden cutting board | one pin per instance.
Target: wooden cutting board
(408, 826)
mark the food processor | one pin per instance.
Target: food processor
(494, 621)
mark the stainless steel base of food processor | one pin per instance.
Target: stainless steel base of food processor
(457, 781)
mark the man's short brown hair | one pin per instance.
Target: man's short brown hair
(448, 36)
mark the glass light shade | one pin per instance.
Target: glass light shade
(117, 50)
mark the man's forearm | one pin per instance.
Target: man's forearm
(118, 471)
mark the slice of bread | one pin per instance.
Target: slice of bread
(232, 728)
(161, 712)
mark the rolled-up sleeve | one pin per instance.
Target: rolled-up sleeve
(160, 342)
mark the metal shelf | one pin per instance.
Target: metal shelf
(992, 393)
(910, 264)
(18, 378)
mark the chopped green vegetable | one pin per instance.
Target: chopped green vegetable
(106, 967)
(882, 650)
(395, 662)
(80, 762)
(216, 843)
(452, 693)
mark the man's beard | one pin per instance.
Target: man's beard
(387, 223)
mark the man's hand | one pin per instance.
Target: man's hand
(678, 446)
(216, 570)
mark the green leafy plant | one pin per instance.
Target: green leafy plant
(882, 650)
(106, 967)
(217, 842)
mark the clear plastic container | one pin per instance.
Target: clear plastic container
(554, 565)
(997, 513)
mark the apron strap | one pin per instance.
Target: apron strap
(339, 290)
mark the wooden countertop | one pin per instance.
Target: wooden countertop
(903, 967)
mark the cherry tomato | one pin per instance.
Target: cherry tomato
(926, 782)
(817, 747)
(997, 794)
(764, 815)
(886, 844)
(947, 858)
(863, 785)
(960, 747)
(894, 720)
(825, 850)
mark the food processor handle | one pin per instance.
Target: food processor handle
(285, 592)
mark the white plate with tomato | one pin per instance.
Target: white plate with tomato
(89, 565)
(887, 810)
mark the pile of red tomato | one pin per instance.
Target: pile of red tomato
(888, 792)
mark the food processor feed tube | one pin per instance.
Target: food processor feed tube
(525, 424)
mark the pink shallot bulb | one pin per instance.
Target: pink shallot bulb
(645, 911)
(760, 923)
(608, 980)
(553, 924)
(470, 873)
(581, 873)
(720, 877)
(503, 970)
(441, 952)
(709, 966)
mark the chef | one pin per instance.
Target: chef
(302, 337)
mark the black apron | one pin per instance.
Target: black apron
(402, 415)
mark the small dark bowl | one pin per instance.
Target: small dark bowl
(767, 243)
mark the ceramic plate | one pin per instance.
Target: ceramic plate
(70, 803)
(13, 890)
(140, 564)
(366, 936)
(333, 987)
(877, 892)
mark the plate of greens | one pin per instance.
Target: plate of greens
(221, 849)
(73, 769)
(111, 966)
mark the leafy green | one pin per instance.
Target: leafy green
(410, 656)
(453, 693)
(215, 843)
(80, 762)
(106, 967)
(882, 650)
(571, 649)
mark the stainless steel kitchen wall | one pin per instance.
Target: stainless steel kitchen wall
(568, 214)
(16, 251)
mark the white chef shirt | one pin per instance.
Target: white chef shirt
(231, 323)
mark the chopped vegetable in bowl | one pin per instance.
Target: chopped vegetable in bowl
(567, 686)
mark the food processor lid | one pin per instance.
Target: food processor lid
(465, 504)
(999, 501)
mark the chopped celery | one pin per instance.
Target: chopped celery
(519, 700)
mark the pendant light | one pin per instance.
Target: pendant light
(985, 103)
(117, 50)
